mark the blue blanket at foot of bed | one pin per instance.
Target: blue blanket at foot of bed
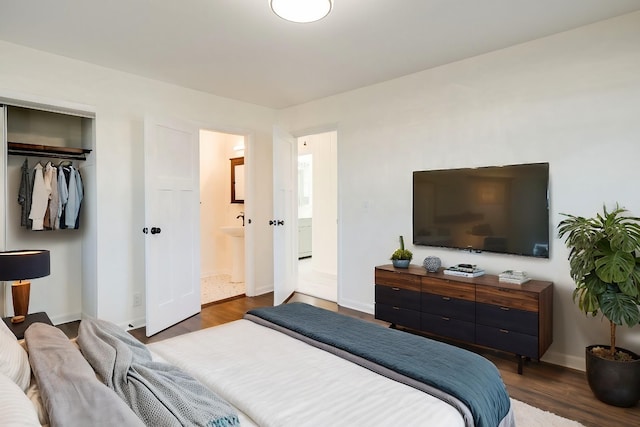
(470, 378)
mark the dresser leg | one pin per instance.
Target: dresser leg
(520, 362)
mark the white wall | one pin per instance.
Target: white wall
(121, 102)
(216, 209)
(572, 100)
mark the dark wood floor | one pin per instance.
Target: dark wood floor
(559, 390)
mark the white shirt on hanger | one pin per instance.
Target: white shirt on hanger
(40, 197)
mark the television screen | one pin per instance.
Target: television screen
(503, 209)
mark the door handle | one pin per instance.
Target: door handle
(155, 230)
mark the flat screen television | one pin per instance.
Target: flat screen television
(502, 209)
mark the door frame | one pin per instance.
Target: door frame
(313, 131)
(249, 202)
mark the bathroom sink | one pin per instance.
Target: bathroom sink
(236, 232)
(233, 230)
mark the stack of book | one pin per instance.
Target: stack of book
(464, 270)
(513, 276)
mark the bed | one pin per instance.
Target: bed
(272, 369)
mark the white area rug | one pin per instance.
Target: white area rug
(529, 416)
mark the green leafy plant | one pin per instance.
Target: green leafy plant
(402, 253)
(604, 264)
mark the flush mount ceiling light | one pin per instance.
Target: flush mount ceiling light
(301, 11)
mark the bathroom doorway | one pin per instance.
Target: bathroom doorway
(318, 215)
(222, 177)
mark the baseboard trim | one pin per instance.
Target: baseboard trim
(356, 305)
(564, 360)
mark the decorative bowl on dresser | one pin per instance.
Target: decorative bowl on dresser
(480, 311)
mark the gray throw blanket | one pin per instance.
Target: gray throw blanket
(70, 391)
(159, 393)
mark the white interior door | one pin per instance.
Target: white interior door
(172, 245)
(284, 222)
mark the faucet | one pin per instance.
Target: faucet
(241, 216)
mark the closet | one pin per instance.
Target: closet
(41, 134)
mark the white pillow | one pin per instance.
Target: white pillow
(16, 409)
(5, 329)
(14, 361)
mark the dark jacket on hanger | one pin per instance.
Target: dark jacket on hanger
(24, 195)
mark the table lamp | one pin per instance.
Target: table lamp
(22, 265)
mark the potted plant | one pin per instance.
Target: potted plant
(401, 257)
(604, 264)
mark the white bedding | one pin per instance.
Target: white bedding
(279, 381)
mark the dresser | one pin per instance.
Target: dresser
(481, 311)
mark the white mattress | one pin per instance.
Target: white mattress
(279, 381)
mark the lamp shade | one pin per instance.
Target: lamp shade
(24, 264)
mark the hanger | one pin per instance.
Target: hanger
(65, 163)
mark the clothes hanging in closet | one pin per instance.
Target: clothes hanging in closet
(72, 195)
(51, 198)
(24, 194)
(39, 197)
(54, 201)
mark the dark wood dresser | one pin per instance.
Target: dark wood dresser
(481, 310)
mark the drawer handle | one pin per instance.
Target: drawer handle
(505, 308)
(504, 331)
(446, 298)
(445, 318)
(395, 289)
(396, 308)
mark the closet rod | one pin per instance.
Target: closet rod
(16, 148)
(49, 155)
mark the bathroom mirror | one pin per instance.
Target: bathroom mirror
(237, 180)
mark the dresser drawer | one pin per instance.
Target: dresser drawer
(507, 297)
(507, 318)
(449, 288)
(397, 280)
(398, 316)
(448, 327)
(398, 297)
(506, 340)
(450, 307)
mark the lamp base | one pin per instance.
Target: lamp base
(20, 293)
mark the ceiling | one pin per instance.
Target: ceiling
(239, 49)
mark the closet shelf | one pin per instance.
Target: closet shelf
(18, 148)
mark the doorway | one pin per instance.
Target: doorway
(318, 215)
(222, 177)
